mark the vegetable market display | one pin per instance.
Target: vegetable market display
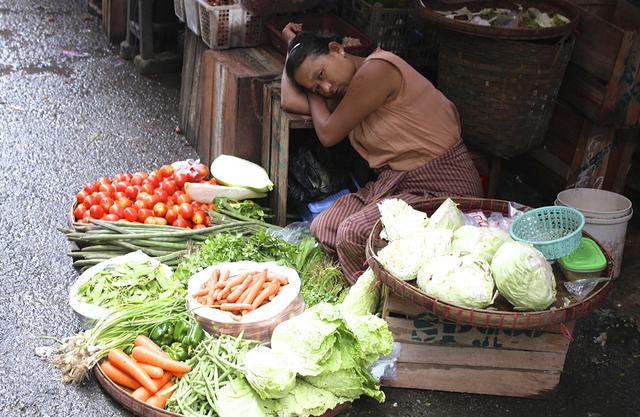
(152, 347)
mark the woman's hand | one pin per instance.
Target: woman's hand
(291, 30)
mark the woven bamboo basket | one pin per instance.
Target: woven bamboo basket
(503, 317)
(139, 408)
(504, 82)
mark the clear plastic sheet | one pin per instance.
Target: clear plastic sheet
(293, 233)
(385, 367)
(581, 288)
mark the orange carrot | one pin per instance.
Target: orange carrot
(148, 343)
(151, 357)
(235, 307)
(166, 377)
(202, 292)
(117, 376)
(237, 292)
(232, 283)
(122, 361)
(283, 279)
(153, 371)
(160, 401)
(265, 293)
(141, 394)
(255, 289)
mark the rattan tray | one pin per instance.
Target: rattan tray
(427, 10)
(503, 316)
(139, 408)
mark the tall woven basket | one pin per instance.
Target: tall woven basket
(504, 81)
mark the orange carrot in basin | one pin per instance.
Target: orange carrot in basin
(122, 361)
(117, 376)
(151, 357)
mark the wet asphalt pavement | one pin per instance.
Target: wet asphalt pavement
(71, 111)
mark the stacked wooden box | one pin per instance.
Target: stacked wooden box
(595, 128)
(114, 20)
(443, 355)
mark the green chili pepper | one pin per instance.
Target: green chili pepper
(194, 336)
(162, 334)
(177, 351)
(180, 330)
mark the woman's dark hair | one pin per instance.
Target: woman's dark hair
(306, 44)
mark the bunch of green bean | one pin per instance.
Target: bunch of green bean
(216, 362)
(102, 240)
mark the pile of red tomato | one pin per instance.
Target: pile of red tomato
(157, 197)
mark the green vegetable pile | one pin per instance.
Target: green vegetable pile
(322, 279)
(128, 283)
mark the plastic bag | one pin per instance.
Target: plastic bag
(294, 232)
(385, 367)
(582, 287)
(316, 172)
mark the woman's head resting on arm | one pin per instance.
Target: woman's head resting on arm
(319, 64)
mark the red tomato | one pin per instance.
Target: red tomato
(119, 194)
(193, 176)
(137, 179)
(180, 222)
(199, 217)
(79, 211)
(131, 192)
(106, 203)
(166, 171)
(169, 186)
(131, 214)
(172, 214)
(104, 180)
(94, 199)
(199, 226)
(102, 194)
(186, 210)
(149, 200)
(180, 178)
(183, 198)
(81, 196)
(124, 202)
(111, 217)
(148, 188)
(202, 171)
(107, 188)
(120, 178)
(143, 174)
(160, 209)
(150, 220)
(211, 206)
(154, 178)
(97, 212)
(162, 195)
(117, 210)
(161, 220)
(139, 204)
(143, 214)
(120, 186)
(91, 187)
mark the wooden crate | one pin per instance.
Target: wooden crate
(277, 126)
(189, 106)
(231, 101)
(603, 77)
(577, 153)
(445, 356)
(114, 20)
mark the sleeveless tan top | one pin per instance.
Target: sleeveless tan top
(415, 127)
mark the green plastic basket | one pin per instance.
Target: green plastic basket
(553, 230)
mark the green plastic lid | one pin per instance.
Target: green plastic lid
(587, 258)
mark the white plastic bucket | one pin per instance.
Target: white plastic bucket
(599, 204)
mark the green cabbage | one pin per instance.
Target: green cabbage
(238, 399)
(348, 383)
(400, 220)
(268, 373)
(372, 334)
(363, 296)
(523, 276)
(304, 400)
(483, 242)
(402, 257)
(447, 216)
(464, 281)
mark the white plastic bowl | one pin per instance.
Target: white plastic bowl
(90, 314)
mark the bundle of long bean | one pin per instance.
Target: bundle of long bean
(216, 362)
(79, 353)
(102, 240)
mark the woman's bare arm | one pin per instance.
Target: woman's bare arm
(375, 82)
(291, 98)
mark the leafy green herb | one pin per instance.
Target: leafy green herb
(128, 283)
(243, 210)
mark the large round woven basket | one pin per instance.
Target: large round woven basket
(503, 81)
(140, 408)
(503, 316)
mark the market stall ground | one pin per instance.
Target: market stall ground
(70, 110)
